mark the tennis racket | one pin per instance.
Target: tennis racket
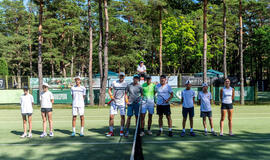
(163, 100)
(117, 95)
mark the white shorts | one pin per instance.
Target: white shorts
(77, 110)
(114, 109)
(148, 106)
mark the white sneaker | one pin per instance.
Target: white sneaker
(29, 135)
(51, 134)
(149, 132)
(43, 135)
(23, 135)
(142, 134)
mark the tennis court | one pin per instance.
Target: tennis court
(251, 140)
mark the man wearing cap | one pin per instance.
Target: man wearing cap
(164, 95)
(133, 96)
(46, 101)
(188, 101)
(148, 95)
(78, 94)
(205, 101)
(141, 69)
(117, 93)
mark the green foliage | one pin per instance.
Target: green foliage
(3, 67)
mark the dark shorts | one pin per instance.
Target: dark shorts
(26, 114)
(133, 109)
(164, 109)
(206, 114)
(226, 106)
(46, 110)
(188, 111)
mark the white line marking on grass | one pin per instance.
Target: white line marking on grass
(144, 142)
(117, 120)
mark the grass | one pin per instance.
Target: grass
(252, 140)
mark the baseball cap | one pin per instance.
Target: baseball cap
(78, 77)
(204, 85)
(136, 76)
(188, 82)
(45, 84)
(121, 74)
(25, 88)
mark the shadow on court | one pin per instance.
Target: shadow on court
(20, 132)
(246, 145)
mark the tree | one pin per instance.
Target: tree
(224, 40)
(205, 41)
(242, 91)
(40, 75)
(105, 71)
(100, 42)
(90, 54)
(3, 67)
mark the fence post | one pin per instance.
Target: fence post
(6, 82)
(28, 81)
(179, 80)
(255, 93)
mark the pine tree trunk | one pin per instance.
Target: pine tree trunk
(160, 41)
(205, 41)
(224, 40)
(29, 40)
(242, 91)
(105, 78)
(91, 98)
(40, 75)
(100, 43)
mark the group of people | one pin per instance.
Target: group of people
(133, 95)
(148, 95)
(78, 93)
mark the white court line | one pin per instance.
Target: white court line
(174, 114)
(116, 120)
(144, 142)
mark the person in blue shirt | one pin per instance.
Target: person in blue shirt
(164, 95)
(205, 101)
(188, 101)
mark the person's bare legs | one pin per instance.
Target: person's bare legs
(160, 121)
(169, 121)
(191, 122)
(142, 120)
(184, 123)
(211, 122)
(44, 119)
(223, 115)
(30, 124)
(50, 121)
(204, 124)
(24, 124)
(230, 114)
(74, 121)
(149, 121)
(82, 120)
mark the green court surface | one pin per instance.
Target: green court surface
(250, 125)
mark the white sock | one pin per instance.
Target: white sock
(184, 130)
(73, 129)
(170, 129)
(191, 129)
(82, 129)
(161, 129)
(122, 128)
(111, 128)
(205, 129)
(212, 129)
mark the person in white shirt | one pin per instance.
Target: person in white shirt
(27, 102)
(117, 92)
(226, 97)
(46, 101)
(188, 102)
(205, 101)
(78, 93)
(141, 69)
